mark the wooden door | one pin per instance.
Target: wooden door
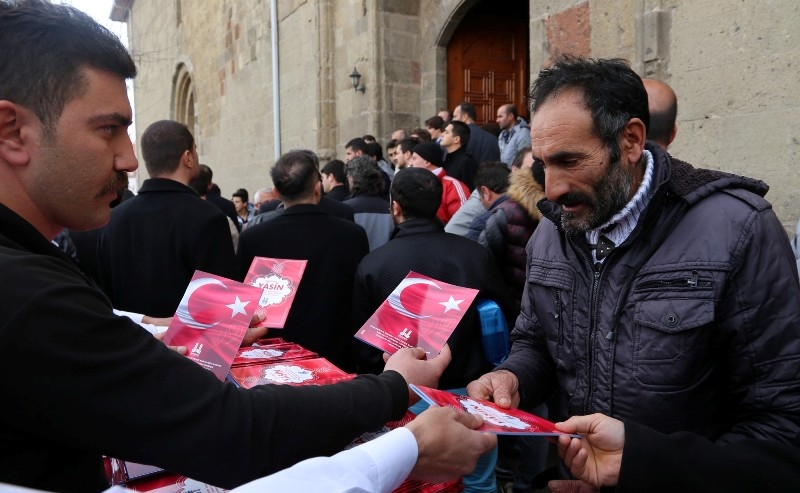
(487, 63)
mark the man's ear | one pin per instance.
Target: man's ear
(13, 149)
(187, 160)
(395, 209)
(632, 140)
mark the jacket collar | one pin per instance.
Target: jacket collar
(422, 225)
(164, 185)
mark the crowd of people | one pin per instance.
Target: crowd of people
(654, 305)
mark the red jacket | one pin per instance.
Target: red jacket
(454, 193)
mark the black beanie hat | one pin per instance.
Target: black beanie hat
(431, 152)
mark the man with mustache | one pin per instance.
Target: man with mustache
(167, 228)
(656, 292)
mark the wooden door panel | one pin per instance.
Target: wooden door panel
(487, 64)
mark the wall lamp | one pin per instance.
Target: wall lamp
(355, 79)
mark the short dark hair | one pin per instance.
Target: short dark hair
(422, 134)
(201, 182)
(44, 48)
(492, 175)
(407, 145)
(511, 109)
(367, 177)
(294, 175)
(163, 144)
(417, 191)
(335, 168)
(469, 109)
(369, 138)
(612, 91)
(392, 144)
(357, 144)
(242, 194)
(460, 129)
(662, 123)
(375, 151)
(435, 122)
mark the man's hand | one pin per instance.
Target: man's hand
(411, 363)
(596, 458)
(255, 333)
(500, 386)
(448, 445)
(177, 349)
(158, 322)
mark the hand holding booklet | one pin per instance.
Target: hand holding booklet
(420, 312)
(212, 319)
(495, 419)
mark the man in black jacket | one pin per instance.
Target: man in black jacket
(80, 382)
(167, 228)
(320, 315)
(420, 244)
(656, 292)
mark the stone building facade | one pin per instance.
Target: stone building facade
(210, 63)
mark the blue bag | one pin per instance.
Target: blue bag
(494, 332)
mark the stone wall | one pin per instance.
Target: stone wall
(732, 64)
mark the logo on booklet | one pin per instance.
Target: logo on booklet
(405, 334)
(197, 349)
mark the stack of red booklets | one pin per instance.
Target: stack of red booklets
(315, 371)
(173, 483)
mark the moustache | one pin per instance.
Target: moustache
(573, 198)
(119, 182)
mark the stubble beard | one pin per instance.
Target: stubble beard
(611, 194)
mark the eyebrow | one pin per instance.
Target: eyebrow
(118, 118)
(561, 156)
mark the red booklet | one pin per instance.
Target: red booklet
(495, 419)
(173, 483)
(278, 279)
(420, 312)
(212, 319)
(255, 355)
(317, 371)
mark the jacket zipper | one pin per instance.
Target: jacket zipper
(693, 282)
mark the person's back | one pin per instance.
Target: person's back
(320, 315)
(156, 240)
(421, 245)
(370, 209)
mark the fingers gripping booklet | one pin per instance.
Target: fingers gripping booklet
(495, 419)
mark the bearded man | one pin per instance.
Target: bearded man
(656, 293)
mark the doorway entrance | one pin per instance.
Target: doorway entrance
(487, 59)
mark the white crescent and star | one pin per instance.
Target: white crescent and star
(183, 308)
(451, 304)
(397, 305)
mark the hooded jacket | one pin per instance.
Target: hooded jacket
(510, 227)
(691, 324)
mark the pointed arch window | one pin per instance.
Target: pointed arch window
(183, 101)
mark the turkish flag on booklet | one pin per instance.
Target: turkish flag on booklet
(495, 419)
(278, 278)
(212, 319)
(420, 312)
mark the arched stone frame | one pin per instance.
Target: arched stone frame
(184, 106)
(433, 61)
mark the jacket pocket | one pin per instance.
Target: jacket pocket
(671, 340)
(551, 291)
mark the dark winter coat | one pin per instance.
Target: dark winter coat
(690, 324)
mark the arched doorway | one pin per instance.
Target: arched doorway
(487, 58)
